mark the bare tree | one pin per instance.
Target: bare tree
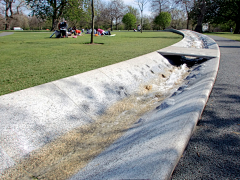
(20, 20)
(185, 5)
(33, 22)
(103, 17)
(116, 12)
(99, 13)
(2, 22)
(11, 10)
(141, 4)
(132, 10)
(178, 19)
(19, 5)
(36, 22)
(158, 6)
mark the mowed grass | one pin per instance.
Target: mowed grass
(29, 59)
(228, 35)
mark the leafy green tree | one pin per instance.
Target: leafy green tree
(48, 9)
(129, 20)
(222, 11)
(74, 11)
(146, 23)
(163, 20)
(132, 10)
(198, 13)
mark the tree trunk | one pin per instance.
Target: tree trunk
(237, 29)
(237, 21)
(187, 16)
(92, 22)
(202, 7)
(111, 24)
(54, 23)
(7, 17)
(141, 18)
(198, 28)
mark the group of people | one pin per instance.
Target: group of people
(64, 31)
(74, 30)
(99, 32)
(102, 32)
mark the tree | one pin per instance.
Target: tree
(48, 9)
(12, 9)
(146, 23)
(33, 22)
(129, 20)
(8, 9)
(199, 10)
(132, 10)
(141, 4)
(116, 11)
(20, 20)
(92, 22)
(159, 5)
(222, 11)
(185, 5)
(163, 20)
(178, 19)
(2, 22)
(74, 11)
(101, 18)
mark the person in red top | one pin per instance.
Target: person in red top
(101, 32)
(78, 32)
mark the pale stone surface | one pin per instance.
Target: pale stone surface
(153, 146)
(5, 160)
(34, 117)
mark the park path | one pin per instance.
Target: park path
(6, 33)
(213, 151)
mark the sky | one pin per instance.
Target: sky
(146, 8)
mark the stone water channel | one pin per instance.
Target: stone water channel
(71, 151)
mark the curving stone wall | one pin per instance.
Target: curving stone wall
(146, 108)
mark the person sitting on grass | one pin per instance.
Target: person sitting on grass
(78, 32)
(102, 32)
(62, 26)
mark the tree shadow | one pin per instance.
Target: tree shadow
(213, 150)
(229, 46)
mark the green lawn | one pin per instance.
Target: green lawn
(31, 58)
(228, 35)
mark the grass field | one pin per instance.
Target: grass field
(228, 35)
(32, 58)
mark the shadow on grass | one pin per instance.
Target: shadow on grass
(157, 37)
(229, 46)
(88, 43)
